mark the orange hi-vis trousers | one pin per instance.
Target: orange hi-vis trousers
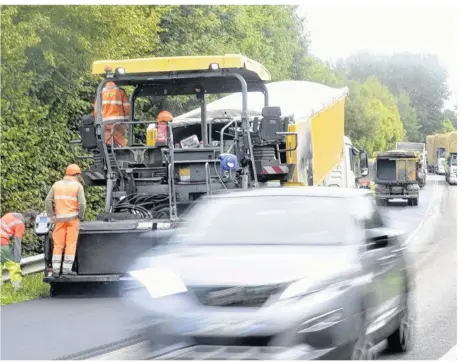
(65, 235)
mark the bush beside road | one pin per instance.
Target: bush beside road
(33, 288)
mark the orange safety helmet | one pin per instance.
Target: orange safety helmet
(164, 116)
(72, 170)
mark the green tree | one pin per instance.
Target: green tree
(419, 75)
(446, 126)
(315, 70)
(372, 118)
(408, 116)
(451, 115)
(46, 59)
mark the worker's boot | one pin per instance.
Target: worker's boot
(56, 264)
(67, 265)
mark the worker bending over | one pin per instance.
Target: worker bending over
(115, 108)
(69, 208)
(12, 228)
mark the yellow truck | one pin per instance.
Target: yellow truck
(324, 156)
(451, 159)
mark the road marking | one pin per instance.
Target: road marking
(419, 226)
(451, 355)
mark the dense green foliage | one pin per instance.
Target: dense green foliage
(418, 80)
(46, 55)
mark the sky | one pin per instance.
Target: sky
(338, 31)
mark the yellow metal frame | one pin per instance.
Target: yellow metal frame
(182, 64)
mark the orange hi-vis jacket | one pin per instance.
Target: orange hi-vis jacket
(115, 108)
(69, 199)
(11, 224)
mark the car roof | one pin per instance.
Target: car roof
(307, 191)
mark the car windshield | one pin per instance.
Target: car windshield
(269, 220)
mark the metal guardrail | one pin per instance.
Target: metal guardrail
(31, 265)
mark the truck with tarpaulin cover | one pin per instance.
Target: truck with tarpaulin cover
(150, 185)
(396, 176)
(431, 153)
(439, 146)
(451, 159)
(422, 166)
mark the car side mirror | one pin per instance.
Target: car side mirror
(364, 163)
(376, 239)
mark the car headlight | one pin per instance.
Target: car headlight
(304, 287)
(159, 282)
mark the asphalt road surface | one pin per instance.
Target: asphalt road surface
(53, 328)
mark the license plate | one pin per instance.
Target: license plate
(218, 326)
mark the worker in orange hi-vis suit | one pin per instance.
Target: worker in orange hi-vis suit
(69, 209)
(115, 108)
(12, 228)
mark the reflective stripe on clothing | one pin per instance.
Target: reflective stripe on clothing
(65, 197)
(115, 119)
(113, 102)
(67, 215)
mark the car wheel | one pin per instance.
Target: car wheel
(416, 202)
(400, 340)
(410, 202)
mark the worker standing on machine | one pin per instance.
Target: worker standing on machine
(162, 128)
(115, 108)
(69, 209)
(12, 227)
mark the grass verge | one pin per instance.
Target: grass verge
(33, 288)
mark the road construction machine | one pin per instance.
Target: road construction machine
(298, 138)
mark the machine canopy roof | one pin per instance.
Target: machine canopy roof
(301, 99)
